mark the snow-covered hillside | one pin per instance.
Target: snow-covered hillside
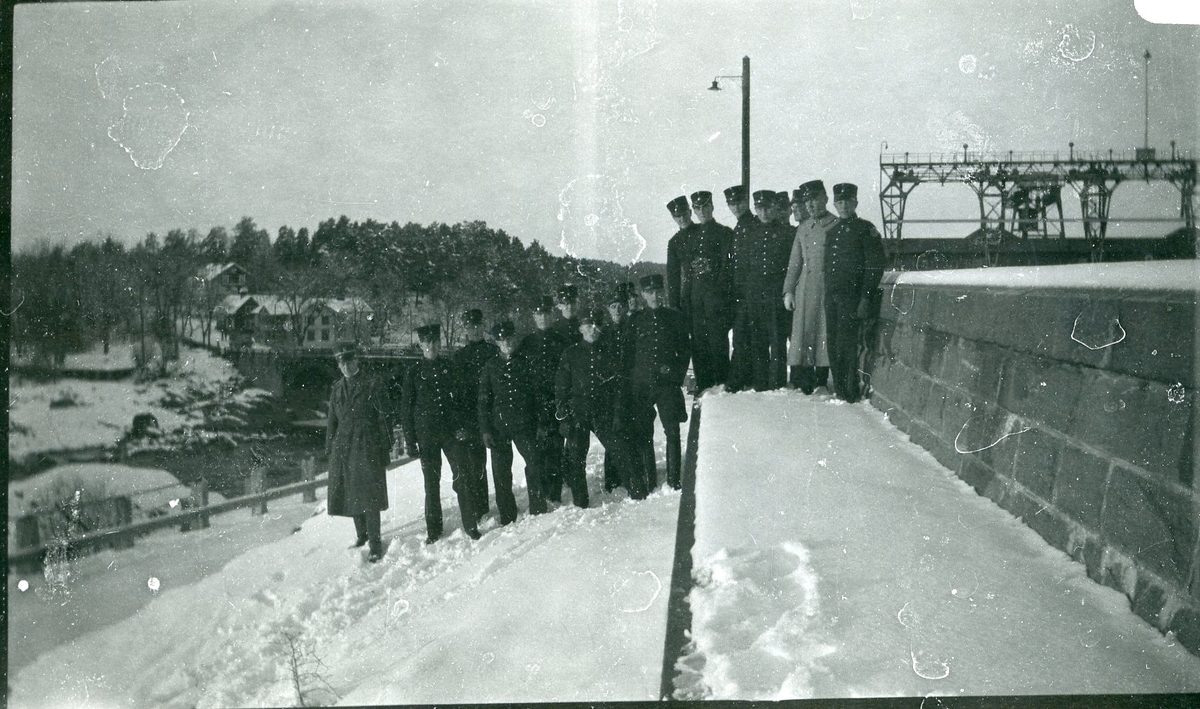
(71, 414)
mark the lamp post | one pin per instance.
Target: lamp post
(744, 79)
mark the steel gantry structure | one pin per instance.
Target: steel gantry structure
(1018, 192)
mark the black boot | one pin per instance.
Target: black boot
(674, 453)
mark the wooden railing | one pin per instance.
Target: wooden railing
(123, 537)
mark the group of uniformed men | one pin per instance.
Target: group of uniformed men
(606, 372)
(825, 270)
(609, 371)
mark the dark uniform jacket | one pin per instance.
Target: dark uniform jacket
(542, 350)
(854, 258)
(358, 441)
(431, 405)
(657, 347)
(590, 383)
(760, 260)
(702, 254)
(568, 329)
(505, 401)
(469, 361)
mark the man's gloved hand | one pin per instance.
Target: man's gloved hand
(489, 440)
(789, 301)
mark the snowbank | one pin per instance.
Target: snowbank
(1175, 275)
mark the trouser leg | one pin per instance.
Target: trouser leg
(574, 471)
(476, 454)
(506, 502)
(431, 470)
(778, 324)
(611, 478)
(843, 346)
(360, 529)
(460, 474)
(367, 525)
(550, 444)
(674, 454)
(526, 444)
(738, 377)
(623, 454)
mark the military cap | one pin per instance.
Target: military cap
(430, 332)
(797, 195)
(845, 190)
(474, 316)
(782, 198)
(701, 198)
(812, 187)
(593, 316)
(762, 197)
(618, 294)
(504, 330)
(345, 352)
(737, 193)
(654, 281)
(678, 206)
(567, 291)
(545, 304)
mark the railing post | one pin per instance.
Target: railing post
(204, 503)
(257, 486)
(308, 470)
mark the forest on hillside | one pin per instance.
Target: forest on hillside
(65, 300)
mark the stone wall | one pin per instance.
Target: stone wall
(1067, 396)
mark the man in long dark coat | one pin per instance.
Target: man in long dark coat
(590, 390)
(469, 361)
(658, 358)
(506, 418)
(358, 442)
(434, 422)
(702, 256)
(542, 349)
(854, 261)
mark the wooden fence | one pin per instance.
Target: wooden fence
(187, 519)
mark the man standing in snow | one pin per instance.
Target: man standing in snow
(614, 334)
(506, 417)
(804, 291)
(469, 361)
(357, 443)
(433, 422)
(760, 262)
(590, 395)
(706, 270)
(854, 260)
(659, 351)
(542, 349)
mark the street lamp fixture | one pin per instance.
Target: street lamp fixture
(744, 80)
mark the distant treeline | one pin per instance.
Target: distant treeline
(69, 299)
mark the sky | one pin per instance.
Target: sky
(820, 573)
(572, 124)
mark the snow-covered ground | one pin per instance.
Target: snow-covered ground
(568, 605)
(71, 414)
(833, 557)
